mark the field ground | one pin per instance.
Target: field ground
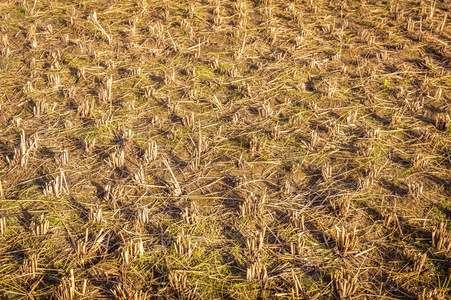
(225, 149)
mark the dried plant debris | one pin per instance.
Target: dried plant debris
(216, 149)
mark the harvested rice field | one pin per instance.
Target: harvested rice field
(219, 149)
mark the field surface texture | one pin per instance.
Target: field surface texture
(225, 149)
